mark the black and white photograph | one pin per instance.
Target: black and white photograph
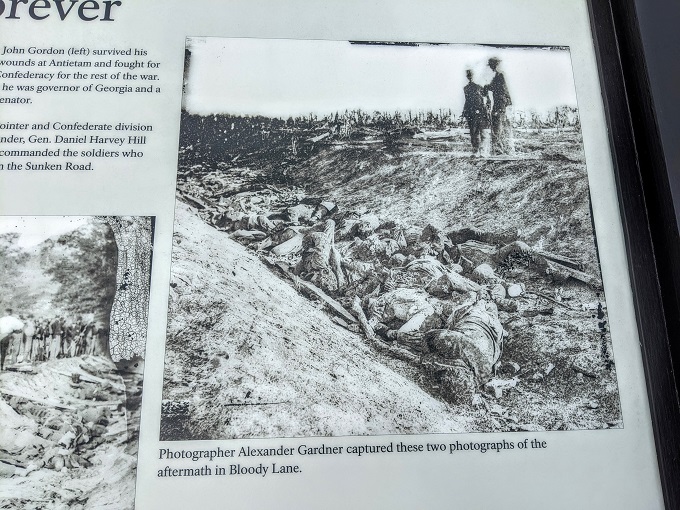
(72, 336)
(383, 238)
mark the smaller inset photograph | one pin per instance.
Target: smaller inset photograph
(73, 326)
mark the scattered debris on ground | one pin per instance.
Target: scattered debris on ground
(69, 434)
(354, 221)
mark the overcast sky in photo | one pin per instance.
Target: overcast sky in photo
(35, 229)
(282, 77)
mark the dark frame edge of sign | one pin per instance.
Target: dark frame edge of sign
(649, 224)
(653, 171)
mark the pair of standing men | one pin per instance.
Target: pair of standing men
(476, 111)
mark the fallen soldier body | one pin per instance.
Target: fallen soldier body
(411, 309)
(321, 261)
(464, 356)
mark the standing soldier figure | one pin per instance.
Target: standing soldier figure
(56, 329)
(66, 339)
(38, 347)
(500, 124)
(76, 338)
(88, 338)
(29, 338)
(475, 112)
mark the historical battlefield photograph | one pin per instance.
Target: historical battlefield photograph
(383, 238)
(72, 336)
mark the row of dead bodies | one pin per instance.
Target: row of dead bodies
(426, 296)
(28, 340)
(67, 430)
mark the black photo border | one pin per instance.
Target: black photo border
(648, 219)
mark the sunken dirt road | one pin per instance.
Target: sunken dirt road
(248, 356)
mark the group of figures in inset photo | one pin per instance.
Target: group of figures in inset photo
(42, 338)
(382, 238)
(72, 339)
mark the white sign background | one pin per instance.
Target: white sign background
(585, 470)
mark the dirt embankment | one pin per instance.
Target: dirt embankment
(557, 370)
(248, 356)
(541, 199)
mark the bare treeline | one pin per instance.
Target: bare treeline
(223, 137)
